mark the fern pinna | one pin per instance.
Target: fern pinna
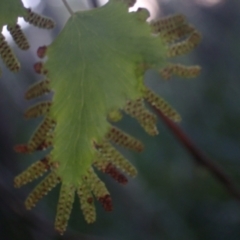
(95, 68)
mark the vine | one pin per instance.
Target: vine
(68, 7)
(95, 67)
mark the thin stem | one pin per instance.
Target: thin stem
(200, 157)
(68, 7)
(94, 3)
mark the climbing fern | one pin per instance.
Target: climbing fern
(95, 68)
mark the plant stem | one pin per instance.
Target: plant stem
(200, 157)
(68, 7)
(94, 3)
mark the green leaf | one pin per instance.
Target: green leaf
(93, 67)
(10, 10)
(96, 67)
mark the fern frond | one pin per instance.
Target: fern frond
(92, 86)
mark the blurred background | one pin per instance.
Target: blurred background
(172, 198)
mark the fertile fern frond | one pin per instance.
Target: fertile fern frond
(106, 52)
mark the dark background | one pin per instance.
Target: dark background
(172, 197)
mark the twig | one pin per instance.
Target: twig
(68, 7)
(94, 3)
(200, 157)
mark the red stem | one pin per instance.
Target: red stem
(199, 156)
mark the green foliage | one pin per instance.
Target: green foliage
(95, 68)
(9, 13)
(10, 10)
(102, 51)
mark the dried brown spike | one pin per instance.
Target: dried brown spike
(64, 207)
(38, 109)
(115, 174)
(41, 52)
(161, 105)
(36, 170)
(146, 119)
(38, 20)
(18, 36)
(87, 203)
(99, 190)
(168, 23)
(106, 166)
(180, 71)
(38, 89)
(47, 184)
(39, 68)
(7, 55)
(21, 148)
(123, 139)
(185, 46)
(106, 202)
